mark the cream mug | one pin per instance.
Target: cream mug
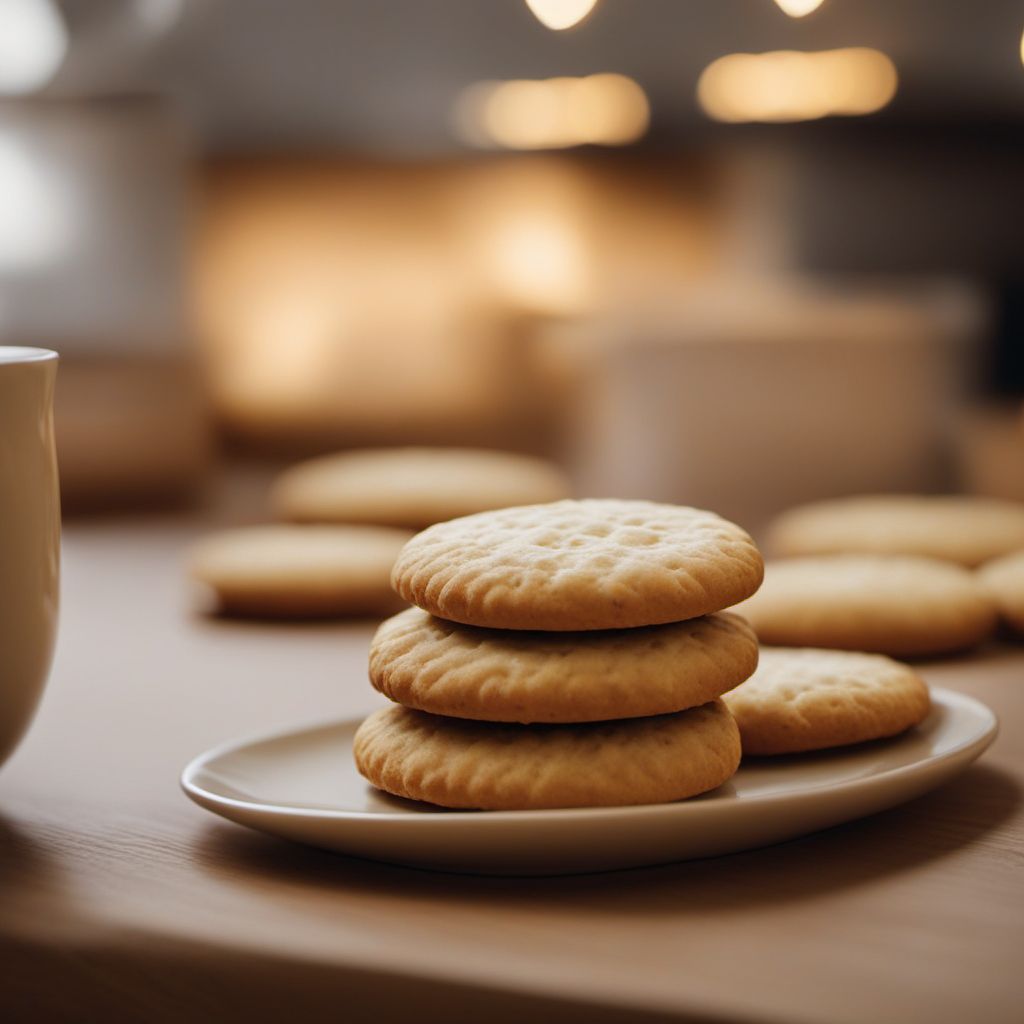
(29, 536)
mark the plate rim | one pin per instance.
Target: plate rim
(205, 797)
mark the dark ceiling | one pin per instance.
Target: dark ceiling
(382, 75)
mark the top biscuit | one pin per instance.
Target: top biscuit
(967, 530)
(412, 487)
(579, 565)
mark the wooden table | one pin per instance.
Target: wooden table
(120, 900)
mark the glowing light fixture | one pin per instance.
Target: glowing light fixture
(562, 14)
(539, 262)
(33, 41)
(607, 109)
(798, 8)
(291, 341)
(787, 85)
(1022, 48)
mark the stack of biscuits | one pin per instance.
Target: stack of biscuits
(570, 654)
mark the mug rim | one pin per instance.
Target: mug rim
(17, 355)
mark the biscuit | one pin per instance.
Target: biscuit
(806, 699)
(504, 676)
(412, 487)
(579, 565)
(300, 571)
(897, 605)
(454, 762)
(967, 530)
(1003, 578)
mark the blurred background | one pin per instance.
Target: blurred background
(734, 253)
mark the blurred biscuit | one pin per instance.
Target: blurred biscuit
(458, 763)
(806, 699)
(1003, 578)
(895, 605)
(505, 676)
(579, 565)
(412, 487)
(963, 529)
(300, 571)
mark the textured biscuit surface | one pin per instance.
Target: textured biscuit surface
(413, 487)
(890, 605)
(506, 676)
(967, 530)
(454, 762)
(579, 565)
(806, 699)
(299, 571)
(1003, 578)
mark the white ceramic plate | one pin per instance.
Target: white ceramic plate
(303, 786)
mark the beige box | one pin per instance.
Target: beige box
(751, 397)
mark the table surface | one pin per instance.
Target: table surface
(120, 898)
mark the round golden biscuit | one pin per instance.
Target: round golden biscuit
(412, 487)
(281, 571)
(805, 699)
(454, 762)
(901, 606)
(505, 676)
(1003, 578)
(579, 565)
(963, 529)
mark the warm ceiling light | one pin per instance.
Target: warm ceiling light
(608, 109)
(787, 85)
(33, 41)
(798, 8)
(553, 113)
(562, 14)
